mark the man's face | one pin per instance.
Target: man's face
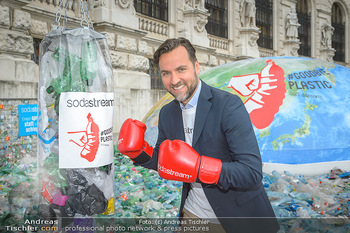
(179, 75)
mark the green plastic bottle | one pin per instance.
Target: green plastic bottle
(88, 64)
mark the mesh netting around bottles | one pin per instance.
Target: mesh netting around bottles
(75, 129)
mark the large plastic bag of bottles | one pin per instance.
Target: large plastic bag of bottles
(75, 123)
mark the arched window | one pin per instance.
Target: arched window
(217, 21)
(264, 18)
(304, 30)
(154, 8)
(338, 38)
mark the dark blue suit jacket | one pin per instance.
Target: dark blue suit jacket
(223, 130)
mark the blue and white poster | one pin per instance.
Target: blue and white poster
(27, 119)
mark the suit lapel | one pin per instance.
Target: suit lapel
(202, 111)
(177, 123)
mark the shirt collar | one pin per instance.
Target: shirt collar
(194, 100)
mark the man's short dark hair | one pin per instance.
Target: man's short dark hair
(171, 44)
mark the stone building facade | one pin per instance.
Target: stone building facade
(133, 37)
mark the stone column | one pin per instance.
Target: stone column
(195, 19)
(291, 47)
(101, 11)
(120, 12)
(327, 54)
(247, 46)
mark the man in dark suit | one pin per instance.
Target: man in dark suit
(205, 140)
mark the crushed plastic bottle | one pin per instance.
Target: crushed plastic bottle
(304, 204)
(142, 193)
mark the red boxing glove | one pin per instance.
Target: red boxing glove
(179, 161)
(132, 142)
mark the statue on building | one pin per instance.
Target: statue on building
(188, 5)
(195, 4)
(127, 4)
(201, 22)
(247, 12)
(99, 3)
(292, 25)
(327, 32)
(124, 3)
(90, 4)
(253, 40)
(199, 4)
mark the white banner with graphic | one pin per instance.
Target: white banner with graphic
(85, 129)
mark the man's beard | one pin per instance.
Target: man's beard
(190, 90)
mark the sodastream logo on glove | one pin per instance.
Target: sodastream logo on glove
(85, 130)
